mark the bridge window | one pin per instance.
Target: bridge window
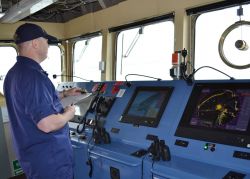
(208, 31)
(145, 50)
(53, 64)
(8, 59)
(87, 56)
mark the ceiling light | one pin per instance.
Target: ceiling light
(23, 9)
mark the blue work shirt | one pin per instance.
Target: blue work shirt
(31, 96)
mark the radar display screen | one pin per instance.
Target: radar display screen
(146, 106)
(218, 113)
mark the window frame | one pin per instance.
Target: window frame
(81, 38)
(117, 30)
(194, 14)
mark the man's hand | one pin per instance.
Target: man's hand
(72, 92)
(69, 111)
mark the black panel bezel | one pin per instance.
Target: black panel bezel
(224, 136)
(146, 121)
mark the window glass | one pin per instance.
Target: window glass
(87, 56)
(8, 59)
(145, 51)
(53, 64)
(209, 28)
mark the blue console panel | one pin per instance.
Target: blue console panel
(162, 130)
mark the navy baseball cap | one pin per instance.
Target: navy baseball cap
(28, 31)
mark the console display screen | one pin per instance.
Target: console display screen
(227, 109)
(146, 106)
(218, 112)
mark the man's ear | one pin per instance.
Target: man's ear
(35, 43)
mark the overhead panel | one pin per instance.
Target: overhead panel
(51, 10)
(23, 9)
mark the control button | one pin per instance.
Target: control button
(209, 146)
(72, 133)
(82, 137)
(181, 143)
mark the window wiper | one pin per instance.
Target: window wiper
(131, 46)
(83, 50)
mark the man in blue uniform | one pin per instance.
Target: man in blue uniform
(38, 120)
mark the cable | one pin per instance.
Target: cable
(89, 161)
(84, 117)
(128, 84)
(133, 74)
(142, 165)
(73, 6)
(152, 167)
(43, 18)
(55, 76)
(82, 122)
(189, 78)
